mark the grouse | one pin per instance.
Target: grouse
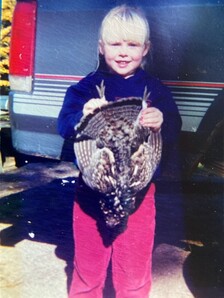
(116, 155)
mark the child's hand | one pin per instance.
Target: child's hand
(93, 104)
(151, 117)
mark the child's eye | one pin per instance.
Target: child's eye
(133, 44)
(115, 44)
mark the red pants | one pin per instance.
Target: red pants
(130, 253)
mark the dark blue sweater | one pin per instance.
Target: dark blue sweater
(117, 87)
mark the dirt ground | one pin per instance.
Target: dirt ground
(37, 246)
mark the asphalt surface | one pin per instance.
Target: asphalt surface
(37, 245)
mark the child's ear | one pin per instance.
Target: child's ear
(101, 47)
(147, 48)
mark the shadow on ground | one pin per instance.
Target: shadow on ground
(189, 216)
(42, 214)
(204, 218)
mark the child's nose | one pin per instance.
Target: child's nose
(123, 51)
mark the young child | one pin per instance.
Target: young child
(123, 45)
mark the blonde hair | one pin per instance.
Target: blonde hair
(125, 22)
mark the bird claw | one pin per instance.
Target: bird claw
(101, 89)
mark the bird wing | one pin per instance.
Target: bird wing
(144, 162)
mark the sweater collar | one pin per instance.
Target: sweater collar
(138, 74)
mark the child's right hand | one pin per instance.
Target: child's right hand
(93, 104)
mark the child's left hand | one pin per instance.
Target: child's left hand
(151, 117)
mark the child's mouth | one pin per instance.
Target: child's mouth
(122, 64)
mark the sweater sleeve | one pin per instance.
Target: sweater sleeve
(163, 100)
(71, 112)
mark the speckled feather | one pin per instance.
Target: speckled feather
(117, 156)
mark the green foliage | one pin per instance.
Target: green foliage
(7, 14)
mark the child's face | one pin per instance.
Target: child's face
(123, 57)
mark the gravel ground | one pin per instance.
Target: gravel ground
(36, 237)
